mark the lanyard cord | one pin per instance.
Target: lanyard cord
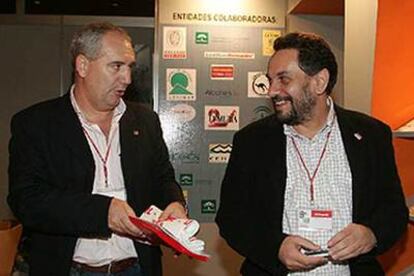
(104, 159)
(313, 176)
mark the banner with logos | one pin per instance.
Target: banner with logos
(211, 59)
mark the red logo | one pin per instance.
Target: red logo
(215, 119)
(222, 72)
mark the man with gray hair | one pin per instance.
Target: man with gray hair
(81, 164)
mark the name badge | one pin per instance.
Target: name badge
(315, 220)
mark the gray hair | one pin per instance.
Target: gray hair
(88, 40)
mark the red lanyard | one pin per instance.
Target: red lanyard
(103, 159)
(312, 177)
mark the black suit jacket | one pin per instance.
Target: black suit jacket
(254, 185)
(51, 174)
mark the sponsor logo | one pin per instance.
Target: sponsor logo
(185, 157)
(208, 206)
(181, 84)
(174, 43)
(186, 179)
(201, 38)
(258, 85)
(222, 71)
(232, 55)
(174, 38)
(219, 153)
(221, 117)
(269, 37)
(218, 93)
(261, 111)
(183, 112)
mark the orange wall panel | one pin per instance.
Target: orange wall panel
(393, 103)
(393, 87)
(402, 255)
(404, 153)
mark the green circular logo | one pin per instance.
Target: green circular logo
(179, 79)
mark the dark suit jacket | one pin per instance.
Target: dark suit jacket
(51, 174)
(254, 185)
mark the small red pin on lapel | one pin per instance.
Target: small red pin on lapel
(135, 132)
(358, 136)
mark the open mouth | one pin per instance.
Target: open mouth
(280, 103)
(120, 92)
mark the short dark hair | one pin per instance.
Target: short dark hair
(314, 54)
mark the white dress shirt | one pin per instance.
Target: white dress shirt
(102, 251)
(332, 187)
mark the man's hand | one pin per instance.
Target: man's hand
(174, 209)
(118, 219)
(352, 241)
(291, 256)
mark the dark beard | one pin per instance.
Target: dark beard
(301, 109)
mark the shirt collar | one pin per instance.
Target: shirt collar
(118, 111)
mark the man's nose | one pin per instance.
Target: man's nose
(274, 89)
(126, 76)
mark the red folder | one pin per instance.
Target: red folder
(154, 232)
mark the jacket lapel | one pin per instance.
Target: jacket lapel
(355, 144)
(70, 131)
(274, 157)
(277, 152)
(131, 139)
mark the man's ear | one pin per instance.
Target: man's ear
(321, 81)
(81, 65)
